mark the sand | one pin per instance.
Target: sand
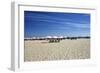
(42, 50)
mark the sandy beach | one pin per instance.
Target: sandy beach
(42, 50)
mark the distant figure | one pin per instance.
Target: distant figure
(52, 40)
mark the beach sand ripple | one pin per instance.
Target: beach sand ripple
(42, 50)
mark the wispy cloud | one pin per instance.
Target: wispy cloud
(42, 23)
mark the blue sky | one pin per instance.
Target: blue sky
(56, 24)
